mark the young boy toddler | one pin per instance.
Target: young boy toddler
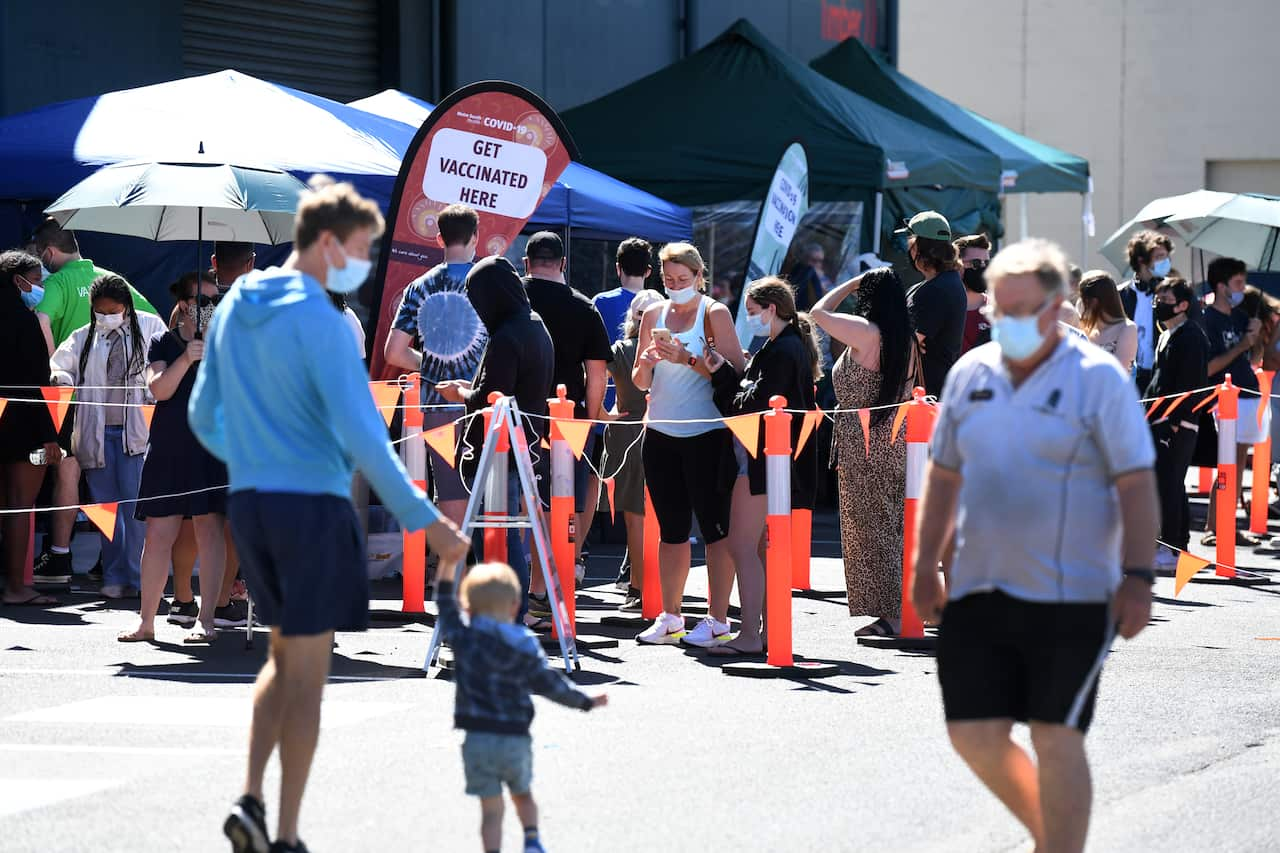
(497, 664)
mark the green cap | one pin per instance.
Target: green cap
(930, 224)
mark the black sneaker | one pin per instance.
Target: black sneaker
(234, 615)
(183, 613)
(95, 574)
(246, 826)
(51, 569)
(633, 602)
(623, 581)
(281, 847)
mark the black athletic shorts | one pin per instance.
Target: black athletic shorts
(1005, 657)
(303, 558)
(687, 477)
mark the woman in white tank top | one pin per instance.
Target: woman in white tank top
(689, 466)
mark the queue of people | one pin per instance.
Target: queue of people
(675, 361)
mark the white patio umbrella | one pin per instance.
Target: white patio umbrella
(1244, 226)
(184, 200)
(1155, 215)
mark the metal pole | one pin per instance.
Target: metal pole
(875, 234)
(1022, 216)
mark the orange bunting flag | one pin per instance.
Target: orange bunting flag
(898, 418)
(609, 487)
(807, 426)
(1264, 392)
(3, 403)
(440, 440)
(1155, 404)
(148, 412)
(1188, 566)
(103, 517)
(576, 433)
(1175, 402)
(747, 429)
(864, 415)
(1207, 400)
(385, 398)
(59, 400)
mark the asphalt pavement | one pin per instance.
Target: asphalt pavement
(111, 747)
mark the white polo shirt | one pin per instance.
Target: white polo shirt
(1039, 517)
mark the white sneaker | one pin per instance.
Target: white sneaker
(707, 633)
(666, 630)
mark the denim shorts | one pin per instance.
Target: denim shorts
(491, 760)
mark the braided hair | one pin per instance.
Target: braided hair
(113, 287)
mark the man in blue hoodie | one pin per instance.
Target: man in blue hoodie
(283, 399)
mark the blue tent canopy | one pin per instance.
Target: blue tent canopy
(239, 118)
(595, 205)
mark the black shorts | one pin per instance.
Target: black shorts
(303, 558)
(1004, 657)
(687, 477)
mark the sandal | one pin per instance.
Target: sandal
(137, 636)
(880, 628)
(34, 600)
(200, 635)
(725, 650)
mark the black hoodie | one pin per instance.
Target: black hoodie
(518, 359)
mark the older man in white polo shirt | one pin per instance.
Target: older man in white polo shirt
(1042, 469)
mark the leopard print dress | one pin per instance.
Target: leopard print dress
(871, 495)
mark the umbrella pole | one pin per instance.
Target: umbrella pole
(199, 278)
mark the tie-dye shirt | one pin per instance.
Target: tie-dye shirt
(436, 311)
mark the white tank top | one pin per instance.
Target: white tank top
(679, 392)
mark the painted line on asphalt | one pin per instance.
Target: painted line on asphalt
(410, 673)
(117, 750)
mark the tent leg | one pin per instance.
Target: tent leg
(1022, 216)
(875, 234)
(1084, 230)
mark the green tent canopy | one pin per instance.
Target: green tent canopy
(1028, 166)
(711, 127)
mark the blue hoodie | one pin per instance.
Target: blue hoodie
(283, 400)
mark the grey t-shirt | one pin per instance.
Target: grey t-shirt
(1038, 517)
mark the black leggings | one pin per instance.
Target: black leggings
(687, 477)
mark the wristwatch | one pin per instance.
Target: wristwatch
(1147, 575)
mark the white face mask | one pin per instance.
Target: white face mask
(1018, 337)
(759, 325)
(683, 296)
(108, 322)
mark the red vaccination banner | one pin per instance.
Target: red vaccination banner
(494, 146)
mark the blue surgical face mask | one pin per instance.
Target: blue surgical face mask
(1162, 267)
(684, 295)
(758, 325)
(1236, 297)
(31, 298)
(1018, 337)
(349, 278)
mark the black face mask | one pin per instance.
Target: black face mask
(975, 280)
(1166, 312)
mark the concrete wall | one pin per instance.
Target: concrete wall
(1151, 91)
(60, 49)
(573, 51)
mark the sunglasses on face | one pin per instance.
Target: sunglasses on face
(977, 263)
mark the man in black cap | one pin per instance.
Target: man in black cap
(938, 304)
(582, 352)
